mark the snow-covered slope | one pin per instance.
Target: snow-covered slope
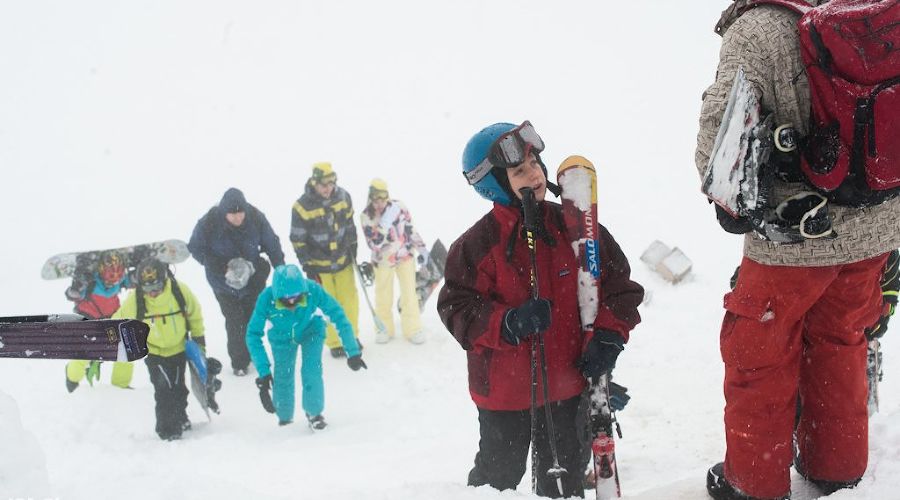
(123, 122)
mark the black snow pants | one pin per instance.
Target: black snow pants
(237, 311)
(167, 374)
(503, 449)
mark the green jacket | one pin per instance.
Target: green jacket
(168, 326)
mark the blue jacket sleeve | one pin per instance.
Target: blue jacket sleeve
(270, 242)
(334, 313)
(198, 244)
(255, 331)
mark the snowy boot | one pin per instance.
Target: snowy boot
(720, 489)
(826, 487)
(316, 422)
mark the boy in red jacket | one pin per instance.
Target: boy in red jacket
(485, 303)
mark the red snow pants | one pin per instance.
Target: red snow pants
(792, 331)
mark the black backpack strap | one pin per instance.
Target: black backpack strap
(179, 299)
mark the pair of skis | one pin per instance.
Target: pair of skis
(578, 180)
(70, 336)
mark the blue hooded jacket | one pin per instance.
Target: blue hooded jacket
(293, 324)
(215, 241)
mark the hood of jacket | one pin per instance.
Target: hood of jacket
(288, 280)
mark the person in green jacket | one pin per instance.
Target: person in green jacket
(155, 302)
(297, 309)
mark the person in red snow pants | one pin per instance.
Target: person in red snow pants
(786, 326)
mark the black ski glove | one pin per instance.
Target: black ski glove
(740, 225)
(264, 384)
(356, 362)
(532, 317)
(310, 275)
(890, 286)
(600, 356)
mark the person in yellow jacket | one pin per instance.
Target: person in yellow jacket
(324, 237)
(394, 241)
(172, 312)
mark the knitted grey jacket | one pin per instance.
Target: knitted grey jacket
(765, 43)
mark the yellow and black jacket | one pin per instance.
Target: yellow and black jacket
(323, 231)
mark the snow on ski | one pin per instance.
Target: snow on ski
(578, 180)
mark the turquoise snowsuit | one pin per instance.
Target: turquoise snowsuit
(304, 326)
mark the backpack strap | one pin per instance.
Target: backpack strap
(179, 299)
(736, 9)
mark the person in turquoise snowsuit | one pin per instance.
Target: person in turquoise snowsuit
(297, 309)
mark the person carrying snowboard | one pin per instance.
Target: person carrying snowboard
(228, 241)
(394, 240)
(95, 291)
(171, 310)
(486, 305)
(794, 323)
(297, 308)
(324, 238)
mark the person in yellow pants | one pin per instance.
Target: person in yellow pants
(323, 234)
(77, 369)
(95, 291)
(394, 241)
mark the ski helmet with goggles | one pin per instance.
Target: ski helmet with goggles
(111, 267)
(499, 146)
(151, 275)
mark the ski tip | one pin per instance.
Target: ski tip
(575, 161)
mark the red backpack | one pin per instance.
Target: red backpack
(851, 50)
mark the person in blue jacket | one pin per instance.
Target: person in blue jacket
(297, 309)
(228, 242)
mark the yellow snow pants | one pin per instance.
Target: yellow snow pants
(342, 286)
(410, 317)
(121, 372)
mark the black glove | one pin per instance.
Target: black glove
(532, 317)
(600, 356)
(368, 273)
(356, 362)
(740, 225)
(310, 275)
(890, 286)
(264, 384)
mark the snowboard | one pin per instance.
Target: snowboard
(578, 180)
(70, 336)
(430, 275)
(67, 265)
(204, 383)
(744, 142)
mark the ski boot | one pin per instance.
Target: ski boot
(826, 487)
(720, 489)
(316, 422)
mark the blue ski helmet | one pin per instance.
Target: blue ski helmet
(476, 151)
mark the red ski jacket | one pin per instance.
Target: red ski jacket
(488, 272)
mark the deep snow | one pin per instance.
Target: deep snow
(122, 122)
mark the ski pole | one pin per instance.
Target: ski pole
(529, 206)
(379, 325)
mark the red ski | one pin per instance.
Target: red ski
(578, 180)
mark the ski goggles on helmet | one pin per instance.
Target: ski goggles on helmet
(509, 150)
(293, 300)
(153, 286)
